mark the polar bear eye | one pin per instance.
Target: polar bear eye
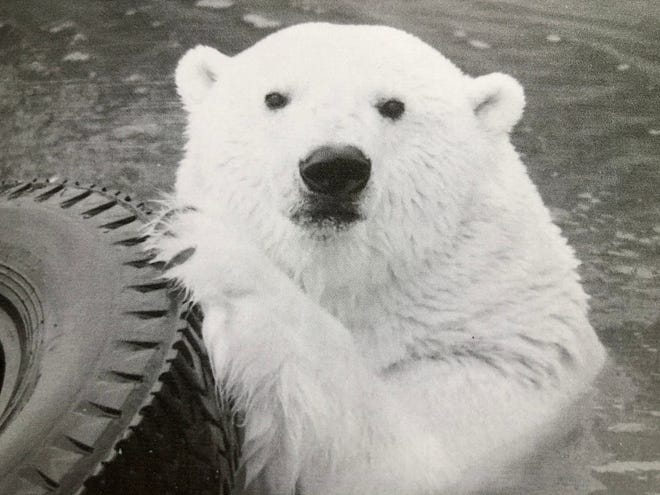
(276, 100)
(392, 108)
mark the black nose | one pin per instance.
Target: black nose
(336, 170)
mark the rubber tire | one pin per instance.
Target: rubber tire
(118, 395)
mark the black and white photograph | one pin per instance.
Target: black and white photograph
(351, 247)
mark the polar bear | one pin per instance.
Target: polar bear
(386, 298)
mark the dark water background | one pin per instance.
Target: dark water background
(86, 92)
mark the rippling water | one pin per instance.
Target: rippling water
(86, 92)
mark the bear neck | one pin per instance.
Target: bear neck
(506, 253)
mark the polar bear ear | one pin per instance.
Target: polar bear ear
(196, 73)
(497, 101)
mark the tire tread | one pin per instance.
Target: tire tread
(177, 440)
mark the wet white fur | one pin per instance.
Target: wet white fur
(418, 351)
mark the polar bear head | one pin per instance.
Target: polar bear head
(338, 145)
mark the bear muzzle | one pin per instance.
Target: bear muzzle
(333, 178)
(339, 172)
